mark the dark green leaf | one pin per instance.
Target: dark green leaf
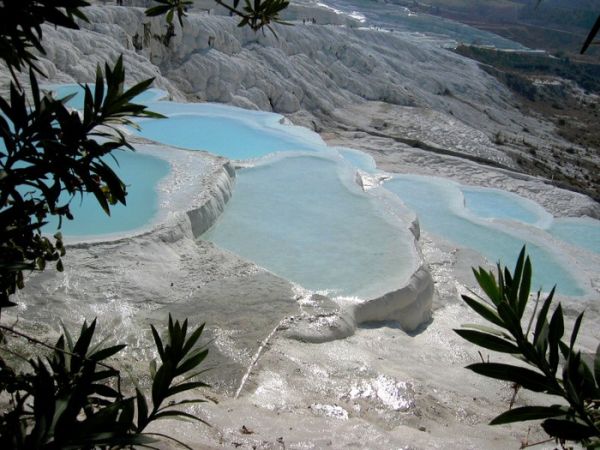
(193, 339)
(527, 378)
(157, 10)
(525, 288)
(191, 362)
(567, 429)
(161, 382)
(488, 341)
(158, 342)
(555, 333)
(510, 319)
(85, 338)
(487, 282)
(178, 415)
(107, 352)
(514, 282)
(185, 387)
(529, 413)
(575, 331)
(484, 311)
(105, 391)
(542, 318)
(142, 410)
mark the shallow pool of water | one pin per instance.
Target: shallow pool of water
(226, 136)
(304, 218)
(497, 204)
(583, 232)
(228, 131)
(440, 207)
(141, 173)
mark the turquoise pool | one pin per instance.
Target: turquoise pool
(299, 213)
(497, 204)
(440, 206)
(226, 136)
(227, 131)
(304, 218)
(583, 232)
(224, 130)
(141, 173)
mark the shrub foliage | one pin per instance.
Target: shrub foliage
(548, 361)
(72, 399)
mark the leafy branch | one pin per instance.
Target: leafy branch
(51, 154)
(67, 400)
(255, 14)
(541, 346)
(20, 38)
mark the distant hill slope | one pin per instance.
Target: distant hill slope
(554, 25)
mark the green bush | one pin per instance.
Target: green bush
(72, 399)
(558, 368)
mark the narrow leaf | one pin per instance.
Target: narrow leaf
(193, 339)
(529, 413)
(488, 341)
(142, 410)
(525, 377)
(178, 415)
(484, 311)
(191, 363)
(575, 331)
(542, 318)
(487, 282)
(525, 287)
(107, 352)
(185, 387)
(158, 342)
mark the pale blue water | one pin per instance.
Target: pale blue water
(141, 174)
(438, 206)
(496, 204)
(224, 130)
(304, 219)
(582, 232)
(226, 136)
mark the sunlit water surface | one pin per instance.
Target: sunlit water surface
(141, 174)
(304, 218)
(440, 206)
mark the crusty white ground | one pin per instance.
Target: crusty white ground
(380, 388)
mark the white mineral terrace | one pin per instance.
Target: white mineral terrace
(298, 363)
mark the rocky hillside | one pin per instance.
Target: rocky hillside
(307, 71)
